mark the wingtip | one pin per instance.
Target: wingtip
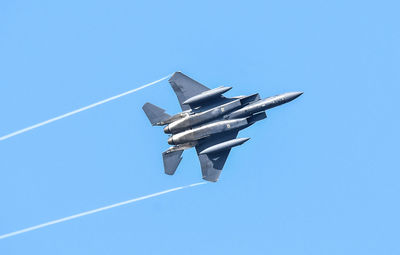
(144, 105)
(173, 75)
(206, 178)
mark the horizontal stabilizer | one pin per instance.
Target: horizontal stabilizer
(171, 159)
(155, 114)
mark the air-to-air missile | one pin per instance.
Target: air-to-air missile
(209, 122)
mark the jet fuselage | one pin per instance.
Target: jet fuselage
(227, 117)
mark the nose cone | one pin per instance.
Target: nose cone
(292, 96)
(171, 141)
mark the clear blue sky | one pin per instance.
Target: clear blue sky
(319, 176)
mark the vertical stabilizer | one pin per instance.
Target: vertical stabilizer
(155, 114)
(171, 159)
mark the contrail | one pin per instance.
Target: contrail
(97, 210)
(81, 109)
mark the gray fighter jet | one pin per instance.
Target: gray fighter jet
(209, 122)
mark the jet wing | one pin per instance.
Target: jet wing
(185, 88)
(212, 164)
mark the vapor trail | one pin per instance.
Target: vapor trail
(81, 109)
(97, 210)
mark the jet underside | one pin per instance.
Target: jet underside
(209, 122)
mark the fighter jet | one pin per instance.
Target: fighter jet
(209, 121)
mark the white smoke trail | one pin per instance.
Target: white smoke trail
(96, 210)
(81, 109)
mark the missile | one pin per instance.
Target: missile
(209, 94)
(224, 146)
